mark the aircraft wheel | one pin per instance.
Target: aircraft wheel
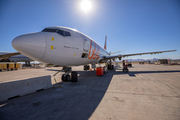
(109, 68)
(74, 77)
(68, 77)
(125, 69)
(86, 67)
(112, 67)
(63, 78)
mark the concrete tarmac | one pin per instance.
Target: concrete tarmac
(147, 92)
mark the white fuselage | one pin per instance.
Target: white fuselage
(63, 46)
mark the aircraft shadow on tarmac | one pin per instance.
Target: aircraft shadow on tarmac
(132, 73)
(76, 100)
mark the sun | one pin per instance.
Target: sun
(86, 5)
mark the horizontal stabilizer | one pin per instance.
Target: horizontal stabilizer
(115, 52)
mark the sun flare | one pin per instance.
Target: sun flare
(86, 5)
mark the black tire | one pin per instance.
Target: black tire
(125, 70)
(63, 78)
(108, 67)
(129, 65)
(74, 77)
(68, 78)
(112, 67)
(84, 67)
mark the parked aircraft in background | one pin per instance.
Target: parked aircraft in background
(15, 57)
(65, 47)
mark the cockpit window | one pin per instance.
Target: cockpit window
(49, 30)
(60, 32)
(67, 34)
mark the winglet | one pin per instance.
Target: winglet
(105, 42)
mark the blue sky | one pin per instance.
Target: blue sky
(131, 25)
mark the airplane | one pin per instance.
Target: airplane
(5, 55)
(15, 57)
(65, 47)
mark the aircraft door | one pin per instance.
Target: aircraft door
(85, 44)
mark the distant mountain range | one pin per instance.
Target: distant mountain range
(137, 60)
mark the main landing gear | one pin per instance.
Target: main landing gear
(86, 67)
(125, 67)
(67, 77)
(110, 66)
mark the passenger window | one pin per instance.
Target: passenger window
(60, 32)
(67, 33)
(84, 55)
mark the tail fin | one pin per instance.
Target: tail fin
(105, 42)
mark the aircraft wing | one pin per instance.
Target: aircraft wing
(8, 55)
(105, 58)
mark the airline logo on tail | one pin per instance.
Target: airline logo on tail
(105, 42)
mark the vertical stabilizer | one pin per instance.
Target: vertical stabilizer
(105, 42)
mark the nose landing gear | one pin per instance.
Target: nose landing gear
(67, 77)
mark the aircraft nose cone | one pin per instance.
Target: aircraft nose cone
(31, 45)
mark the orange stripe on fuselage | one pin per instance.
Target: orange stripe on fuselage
(90, 50)
(97, 54)
(93, 52)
